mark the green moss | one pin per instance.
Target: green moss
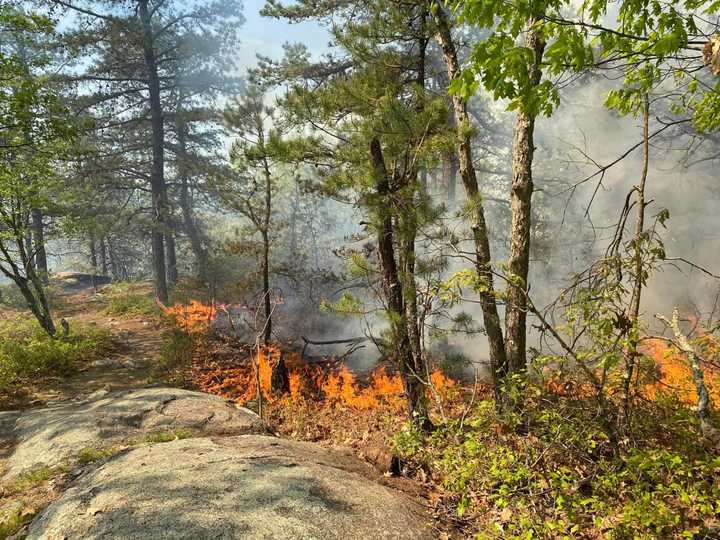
(90, 454)
(33, 478)
(162, 436)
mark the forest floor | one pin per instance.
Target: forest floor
(136, 346)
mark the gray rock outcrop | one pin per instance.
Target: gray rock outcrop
(51, 435)
(249, 487)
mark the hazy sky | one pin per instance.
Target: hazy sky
(267, 36)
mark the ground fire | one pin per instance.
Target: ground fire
(333, 384)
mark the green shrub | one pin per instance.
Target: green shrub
(559, 480)
(121, 302)
(177, 353)
(26, 351)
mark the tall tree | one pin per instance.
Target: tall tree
(469, 179)
(33, 138)
(381, 128)
(145, 54)
(254, 182)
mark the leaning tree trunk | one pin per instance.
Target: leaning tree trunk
(468, 177)
(520, 205)
(170, 251)
(189, 221)
(393, 291)
(27, 280)
(704, 403)
(157, 176)
(38, 231)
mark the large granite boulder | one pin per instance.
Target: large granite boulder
(53, 435)
(249, 487)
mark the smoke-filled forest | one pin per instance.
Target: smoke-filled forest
(359, 269)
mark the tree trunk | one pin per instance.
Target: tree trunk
(267, 334)
(393, 291)
(704, 403)
(520, 205)
(266, 246)
(27, 280)
(112, 259)
(172, 269)
(103, 256)
(39, 245)
(29, 247)
(189, 222)
(468, 177)
(157, 177)
(280, 378)
(93, 254)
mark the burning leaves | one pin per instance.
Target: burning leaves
(332, 386)
(193, 318)
(336, 386)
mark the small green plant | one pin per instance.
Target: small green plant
(177, 352)
(91, 454)
(13, 521)
(156, 437)
(126, 304)
(562, 480)
(33, 478)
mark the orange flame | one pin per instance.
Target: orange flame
(193, 318)
(337, 388)
(675, 372)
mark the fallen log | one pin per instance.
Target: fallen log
(353, 344)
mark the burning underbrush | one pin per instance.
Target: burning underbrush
(551, 471)
(329, 382)
(226, 367)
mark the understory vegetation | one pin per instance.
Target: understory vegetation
(559, 479)
(126, 301)
(548, 470)
(27, 352)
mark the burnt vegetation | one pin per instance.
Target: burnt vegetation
(475, 241)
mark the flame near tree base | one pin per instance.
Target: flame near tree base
(383, 388)
(335, 387)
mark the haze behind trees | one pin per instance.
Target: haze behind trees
(431, 126)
